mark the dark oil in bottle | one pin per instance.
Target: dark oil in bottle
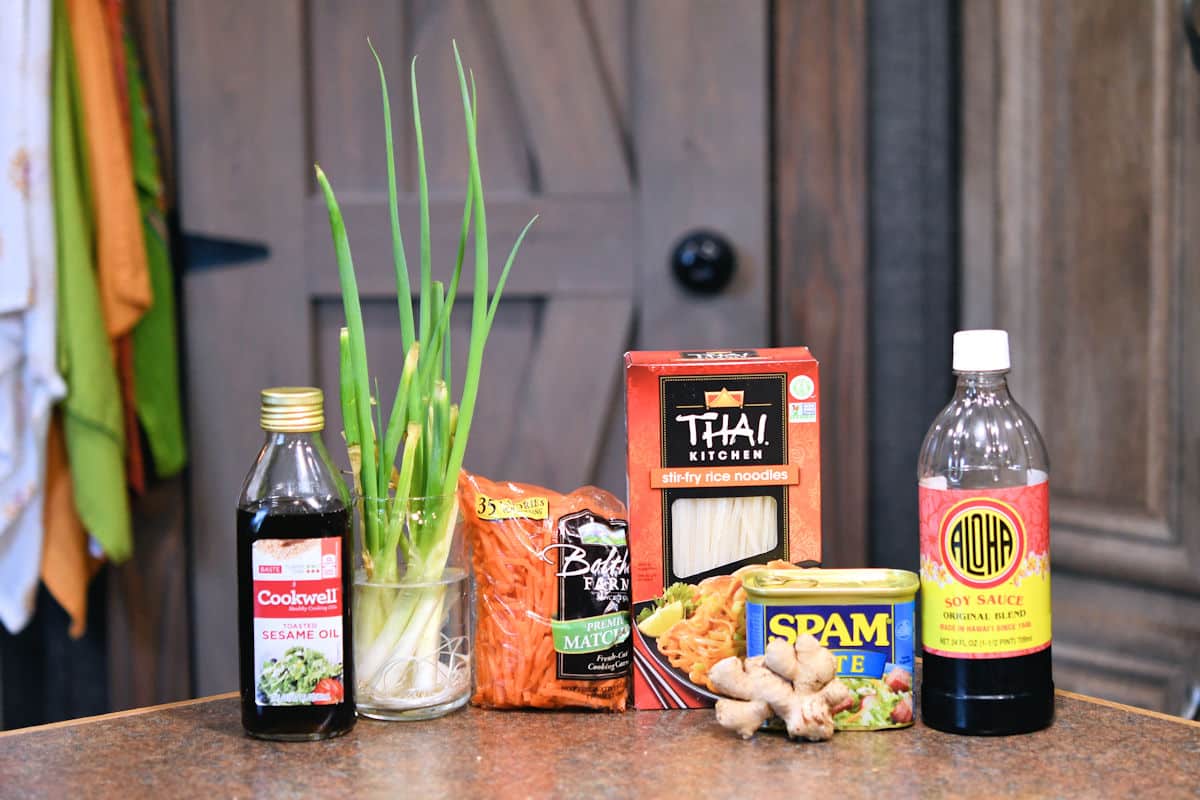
(289, 519)
(993, 696)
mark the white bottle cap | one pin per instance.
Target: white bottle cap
(981, 351)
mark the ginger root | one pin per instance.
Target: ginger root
(795, 683)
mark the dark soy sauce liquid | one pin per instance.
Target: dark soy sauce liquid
(286, 518)
(987, 696)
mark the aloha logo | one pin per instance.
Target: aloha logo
(982, 542)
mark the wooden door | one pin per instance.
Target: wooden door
(1081, 189)
(611, 119)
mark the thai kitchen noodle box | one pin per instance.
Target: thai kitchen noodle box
(723, 468)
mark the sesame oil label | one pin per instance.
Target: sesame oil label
(985, 571)
(298, 642)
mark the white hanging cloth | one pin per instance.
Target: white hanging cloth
(29, 379)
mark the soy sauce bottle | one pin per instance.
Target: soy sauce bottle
(294, 568)
(985, 554)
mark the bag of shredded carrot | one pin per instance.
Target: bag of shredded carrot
(552, 595)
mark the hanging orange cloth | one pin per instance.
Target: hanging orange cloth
(86, 490)
(95, 160)
(114, 21)
(114, 14)
(122, 272)
(122, 269)
(67, 566)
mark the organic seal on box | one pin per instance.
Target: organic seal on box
(864, 616)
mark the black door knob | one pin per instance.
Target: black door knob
(703, 261)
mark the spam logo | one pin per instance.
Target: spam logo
(834, 630)
(864, 638)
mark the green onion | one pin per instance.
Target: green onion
(403, 292)
(408, 512)
(357, 345)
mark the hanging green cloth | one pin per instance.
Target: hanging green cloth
(92, 414)
(155, 344)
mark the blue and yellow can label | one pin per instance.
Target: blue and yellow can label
(871, 638)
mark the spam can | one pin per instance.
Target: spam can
(864, 616)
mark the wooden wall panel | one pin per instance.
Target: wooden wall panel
(1104, 136)
(1080, 133)
(700, 144)
(242, 154)
(1128, 643)
(506, 160)
(1074, 241)
(609, 26)
(913, 223)
(338, 31)
(532, 36)
(149, 631)
(149, 635)
(821, 233)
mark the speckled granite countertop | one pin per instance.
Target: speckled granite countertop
(197, 749)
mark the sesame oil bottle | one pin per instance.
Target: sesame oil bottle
(294, 568)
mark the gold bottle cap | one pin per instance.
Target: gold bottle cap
(292, 409)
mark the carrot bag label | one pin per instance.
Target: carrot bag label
(591, 630)
(552, 595)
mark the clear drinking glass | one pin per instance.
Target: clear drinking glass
(412, 634)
